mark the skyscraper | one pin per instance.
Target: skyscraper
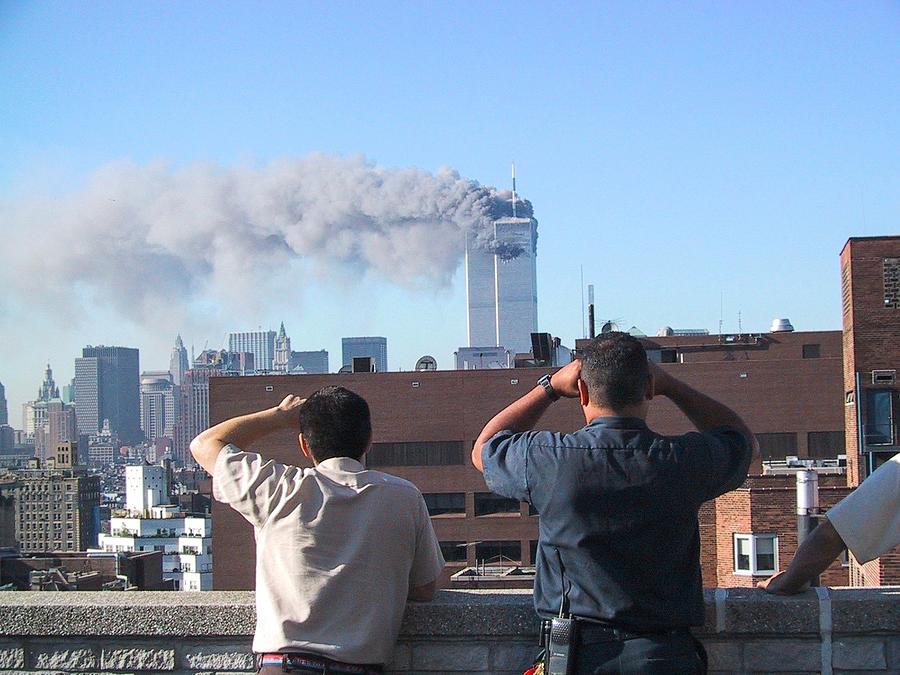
(501, 283)
(259, 343)
(4, 410)
(282, 360)
(107, 386)
(310, 363)
(158, 405)
(375, 347)
(178, 361)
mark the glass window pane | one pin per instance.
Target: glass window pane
(742, 548)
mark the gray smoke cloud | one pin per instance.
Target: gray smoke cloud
(143, 235)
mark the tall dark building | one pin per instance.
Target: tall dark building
(4, 411)
(107, 386)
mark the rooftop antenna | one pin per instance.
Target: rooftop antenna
(721, 310)
(514, 189)
(583, 331)
(740, 329)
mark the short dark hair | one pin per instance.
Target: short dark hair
(336, 423)
(614, 368)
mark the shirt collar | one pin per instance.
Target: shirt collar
(618, 423)
(340, 465)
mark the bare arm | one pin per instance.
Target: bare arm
(813, 557)
(243, 430)
(523, 414)
(704, 412)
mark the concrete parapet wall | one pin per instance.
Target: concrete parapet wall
(825, 631)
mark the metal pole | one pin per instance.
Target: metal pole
(807, 507)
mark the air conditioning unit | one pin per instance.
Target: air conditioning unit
(884, 376)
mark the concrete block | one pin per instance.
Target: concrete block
(138, 658)
(725, 656)
(749, 611)
(892, 645)
(859, 654)
(513, 655)
(783, 656)
(450, 657)
(217, 657)
(400, 660)
(58, 657)
(12, 657)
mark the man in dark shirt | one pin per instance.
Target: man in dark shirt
(619, 543)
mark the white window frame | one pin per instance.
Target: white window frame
(752, 539)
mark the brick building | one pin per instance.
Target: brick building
(425, 424)
(870, 288)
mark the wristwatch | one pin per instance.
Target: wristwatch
(544, 381)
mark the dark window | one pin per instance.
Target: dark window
(498, 552)
(777, 446)
(879, 418)
(531, 510)
(532, 546)
(825, 444)
(424, 453)
(445, 502)
(812, 351)
(454, 551)
(668, 356)
(487, 503)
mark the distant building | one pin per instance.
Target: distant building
(310, 363)
(152, 523)
(158, 405)
(58, 427)
(107, 386)
(668, 331)
(259, 343)
(103, 447)
(83, 571)
(4, 409)
(479, 358)
(56, 509)
(193, 411)
(282, 358)
(178, 361)
(373, 347)
(501, 284)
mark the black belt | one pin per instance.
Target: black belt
(594, 630)
(299, 662)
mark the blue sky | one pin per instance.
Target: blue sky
(679, 153)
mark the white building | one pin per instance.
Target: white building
(149, 525)
(158, 405)
(260, 343)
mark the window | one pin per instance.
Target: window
(668, 356)
(423, 453)
(777, 446)
(533, 547)
(812, 351)
(498, 552)
(825, 444)
(487, 503)
(891, 282)
(448, 502)
(755, 554)
(454, 551)
(879, 417)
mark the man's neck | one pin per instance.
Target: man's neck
(592, 411)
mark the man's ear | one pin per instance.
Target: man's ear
(583, 397)
(304, 447)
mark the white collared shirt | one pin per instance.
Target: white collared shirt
(337, 549)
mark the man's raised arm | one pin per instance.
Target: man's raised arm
(243, 430)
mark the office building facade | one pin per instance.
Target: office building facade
(309, 363)
(360, 347)
(259, 343)
(4, 408)
(178, 361)
(107, 386)
(158, 405)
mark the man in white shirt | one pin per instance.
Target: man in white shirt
(867, 521)
(339, 548)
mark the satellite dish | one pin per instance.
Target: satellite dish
(609, 327)
(426, 363)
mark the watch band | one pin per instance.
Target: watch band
(544, 381)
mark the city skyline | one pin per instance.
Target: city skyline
(696, 164)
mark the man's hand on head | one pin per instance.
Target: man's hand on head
(565, 380)
(287, 410)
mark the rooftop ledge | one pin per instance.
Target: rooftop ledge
(822, 630)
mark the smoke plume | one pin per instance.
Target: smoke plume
(142, 235)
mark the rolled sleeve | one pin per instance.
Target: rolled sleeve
(246, 482)
(428, 561)
(724, 455)
(505, 460)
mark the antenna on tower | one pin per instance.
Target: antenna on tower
(514, 189)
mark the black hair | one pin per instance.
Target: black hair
(614, 367)
(336, 423)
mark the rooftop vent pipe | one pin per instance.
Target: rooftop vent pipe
(781, 326)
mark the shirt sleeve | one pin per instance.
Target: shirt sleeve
(428, 561)
(721, 458)
(247, 483)
(868, 519)
(504, 458)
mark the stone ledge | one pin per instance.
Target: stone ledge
(231, 614)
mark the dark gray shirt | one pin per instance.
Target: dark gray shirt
(618, 510)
